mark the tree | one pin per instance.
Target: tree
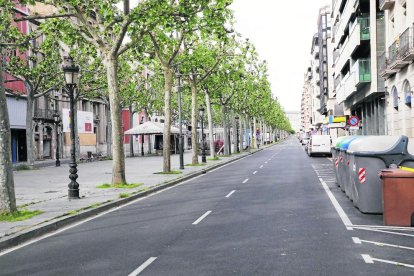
(181, 19)
(203, 55)
(38, 72)
(10, 37)
(104, 27)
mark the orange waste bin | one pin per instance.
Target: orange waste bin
(398, 197)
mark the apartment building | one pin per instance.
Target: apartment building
(306, 103)
(359, 40)
(315, 86)
(396, 65)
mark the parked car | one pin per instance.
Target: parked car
(319, 144)
(304, 141)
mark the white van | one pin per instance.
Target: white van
(319, 144)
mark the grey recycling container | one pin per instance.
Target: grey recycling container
(335, 156)
(346, 166)
(368, 156)
(343, 164)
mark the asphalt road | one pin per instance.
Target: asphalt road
(267, 214)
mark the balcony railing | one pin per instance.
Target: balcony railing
(394, 57)
(45, 114)
(407, 45)
(386, 4)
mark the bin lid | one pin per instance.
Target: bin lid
(374, 144)
(346, 142)
(396, 173)
(339, 141)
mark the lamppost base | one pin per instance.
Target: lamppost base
(203, 159)
(73, 194)
(57, 163)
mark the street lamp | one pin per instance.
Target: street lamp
(203, 150)
(58, 122)
(237, 133)
(71, 72)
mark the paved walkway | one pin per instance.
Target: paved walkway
(46, 188)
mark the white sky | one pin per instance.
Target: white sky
(282, 32)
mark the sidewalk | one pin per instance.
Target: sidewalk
(46, 189)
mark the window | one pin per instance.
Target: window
(395, 98)
(407, 93)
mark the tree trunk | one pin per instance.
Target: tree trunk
(248, 134)
(241, 133)
(168, 78)
(194, 120)
(225, 132)
(210, 126)
(7, 195)
(109, 132)
(131, 125)
(29, 129)
(254, 133)
(234, 126)
(118, 164)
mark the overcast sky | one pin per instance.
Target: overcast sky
(282, 32)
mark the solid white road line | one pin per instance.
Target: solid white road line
(383, 227)
(201, 218)
(254, 172)
(244, 181)
(345, 219)
(261, 167)
(229, 195)
(369, 260)
(382, 231)
(359, 241)
(143, 266)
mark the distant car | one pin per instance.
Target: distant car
(319, 144)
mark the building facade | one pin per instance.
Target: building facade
(359, 39)
(294, 118)
(397, 67)
(306, 103)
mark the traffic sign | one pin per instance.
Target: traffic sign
(354, 121)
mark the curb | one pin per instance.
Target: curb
(56, 224)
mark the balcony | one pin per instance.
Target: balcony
(363, 71)
(365, 32)
(394, 57)
(386, 4)
(45, 114)
(407, 45)
(383, 66)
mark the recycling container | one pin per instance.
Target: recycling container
(343, 162)
(346, 177)
(368, 157)
(335, 156)
(398, 197)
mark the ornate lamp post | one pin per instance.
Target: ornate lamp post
(58, 122)
(237, 134)
(203, 150)
(71, 72)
